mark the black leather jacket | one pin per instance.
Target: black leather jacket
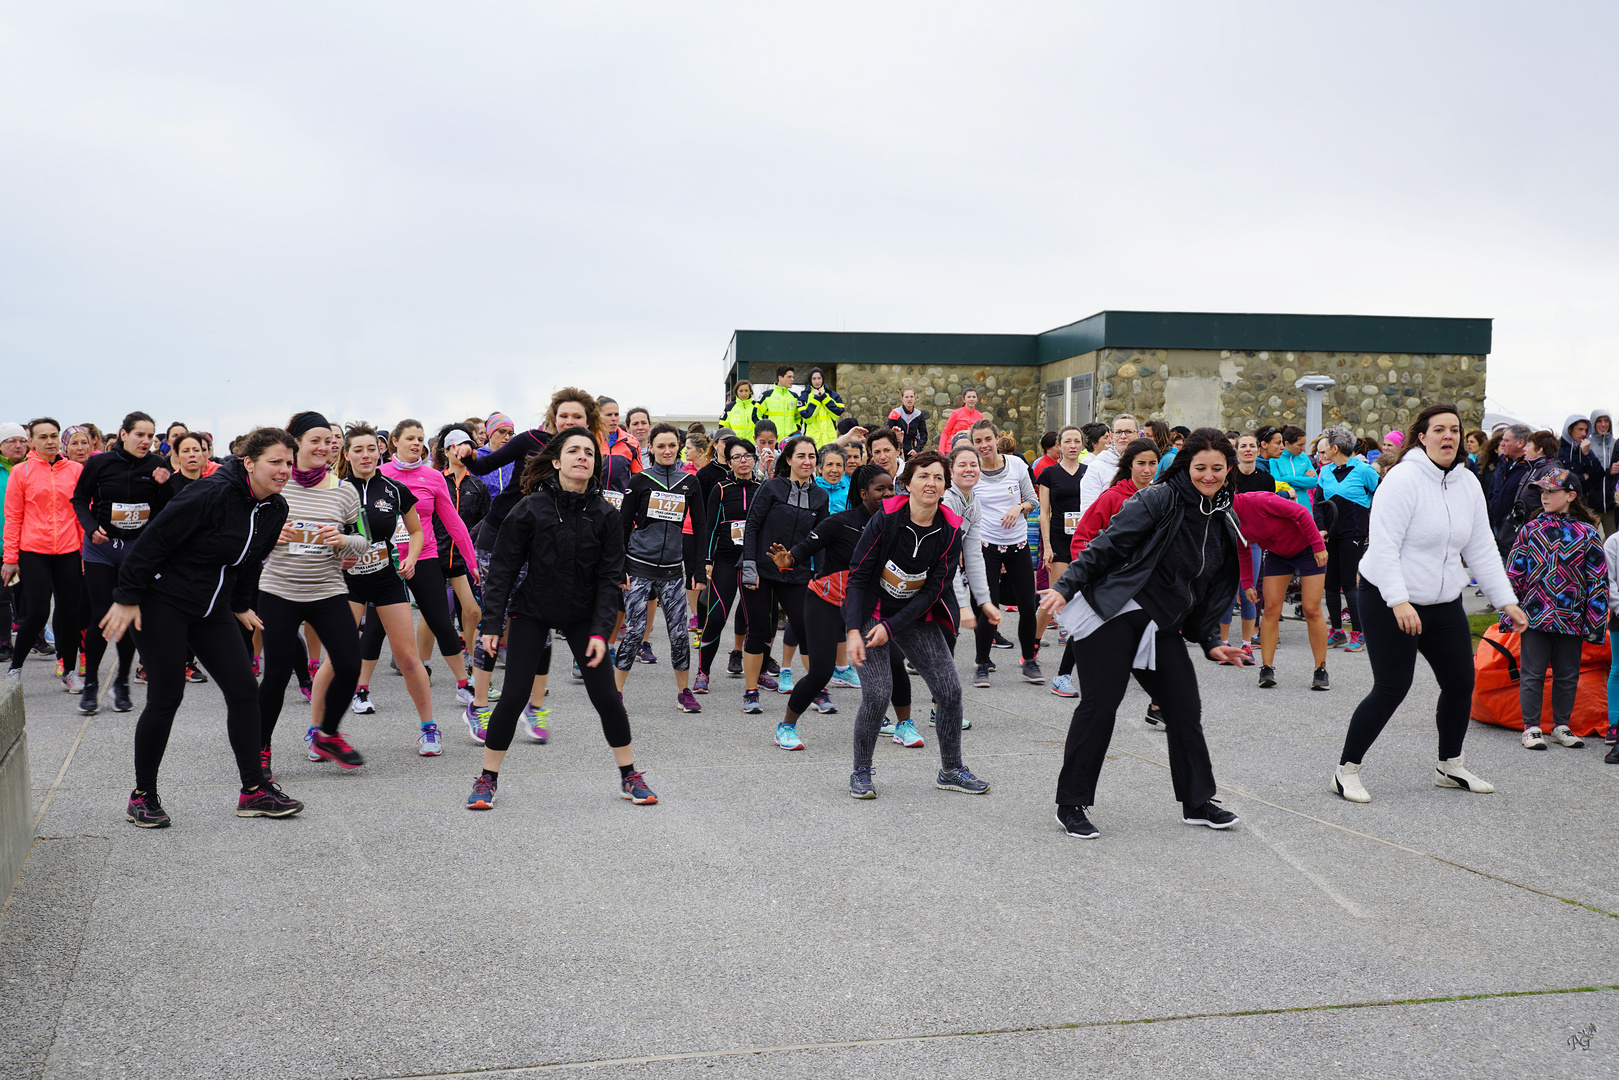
(1116, 566)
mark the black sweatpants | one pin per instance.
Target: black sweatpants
(427, 585)
(166, 638)
(1446, 643)
(284, 621)
(1104, 672)
(1020, 579)
(761, 616)
(526, 640)
(1343, 568)
(723, 584)
(45, 576)
(823, 626)
(100, 578)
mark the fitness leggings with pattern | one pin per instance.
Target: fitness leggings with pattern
(166, 638)
(526, 640)
(283, 620)
(928, 648)
(42, 577)
(427, 586)
(671, 593)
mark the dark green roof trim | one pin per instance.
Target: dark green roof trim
(1301, 333)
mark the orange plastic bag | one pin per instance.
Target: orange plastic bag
(1495, 686)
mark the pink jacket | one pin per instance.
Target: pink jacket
(961, 420)
(433, 498)
(1278, 525)
(39, 508)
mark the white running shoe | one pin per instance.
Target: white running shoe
(1563, 735)
(73, 682)
(1449, 772)
(1532, 739)
(1346, 782)
(361, 705)
(463, 694)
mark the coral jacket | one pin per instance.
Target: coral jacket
(39, 508)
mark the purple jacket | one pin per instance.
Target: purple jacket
(1560, 574)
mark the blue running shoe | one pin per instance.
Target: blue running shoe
(1063, 686)
(767, 681)
(579, 674)
(787, 737)
(846, 677)
(429, 744)
(750, 702)
(477, 722)
(633, 787)
(860, 785)
(961, 779)
(887, 730)
(538, 722)
(905, 734)
(309, 743)
(483, 794)
(784, 682)
(933, 719)
(823, 703)
(1337, 639)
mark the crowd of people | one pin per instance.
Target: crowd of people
(826, 551)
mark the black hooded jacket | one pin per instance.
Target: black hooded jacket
(119, 478)
(207, 546)
(1164, 552)
(573, 544)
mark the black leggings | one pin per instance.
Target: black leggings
(427, 586)
(723, 583)
(333, 620)
(823, 624)
(44, 576)
(1102, 681)
(761, 618)
(526, 639)
(1020, 576)
(166, 638)
(100, 578)
(1343, 567)
(1445, 642)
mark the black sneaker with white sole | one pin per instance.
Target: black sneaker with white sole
(1267, 676)
(981, 675)
(1319, 680)
(1155, 718)
(1210, 813)
(1032, 673)
(1075, 823)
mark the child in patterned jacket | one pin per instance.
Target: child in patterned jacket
(1558, 569)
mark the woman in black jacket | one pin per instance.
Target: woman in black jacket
(117, 496)
(196, 565)
(1164, 568)
(726, 507)
(831, 545)
(570, 542)
(784, 511)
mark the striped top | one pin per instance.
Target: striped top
(303, 571)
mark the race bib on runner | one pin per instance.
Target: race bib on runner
(614, 497)
(666, 506)
(737, 529)
(1070, 521)
(375, 558)
(401, 534)
(897, 583)
(130, 515)
(306, 538)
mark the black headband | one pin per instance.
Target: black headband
(306, 421)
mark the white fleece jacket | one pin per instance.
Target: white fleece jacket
(1425, 521)
(1099, 470)
(1611, 550)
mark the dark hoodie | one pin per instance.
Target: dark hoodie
(655, 511)
(573, 545)
(119, 479)
(206, 547)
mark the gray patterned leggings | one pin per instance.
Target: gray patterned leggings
(925, 646)
(672, 599)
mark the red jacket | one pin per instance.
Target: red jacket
(1099, 513)
(39, 508)
(1277, 524)
(961, 420)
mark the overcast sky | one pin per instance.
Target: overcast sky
(225, 212)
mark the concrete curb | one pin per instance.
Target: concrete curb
(16, 800)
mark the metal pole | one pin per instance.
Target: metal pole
(1314, 386)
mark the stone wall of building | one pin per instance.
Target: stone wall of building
(1246, 389)
(1011, 396)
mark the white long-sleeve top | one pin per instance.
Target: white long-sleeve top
(972, 582)
(997, 492)
(1425, 521)
(1099, 470)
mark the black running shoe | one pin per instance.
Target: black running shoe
(194, 675)
(1075, 823)
(1210, 813)
(335, 748)
(87, 697)
(1267, 676)
(145, 811)
(120, 696)
(1155, 718)
(266, 801)
(733, 665)
(1319, 681)
(999, 641)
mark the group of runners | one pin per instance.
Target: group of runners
(792, 532)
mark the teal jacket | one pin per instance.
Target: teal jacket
(837, 494)
(1289, 469)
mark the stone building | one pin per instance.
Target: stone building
(1222, 370)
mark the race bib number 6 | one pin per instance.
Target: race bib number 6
(898, 583)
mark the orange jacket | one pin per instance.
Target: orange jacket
(39, 508)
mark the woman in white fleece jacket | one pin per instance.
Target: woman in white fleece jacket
(1428, 515)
